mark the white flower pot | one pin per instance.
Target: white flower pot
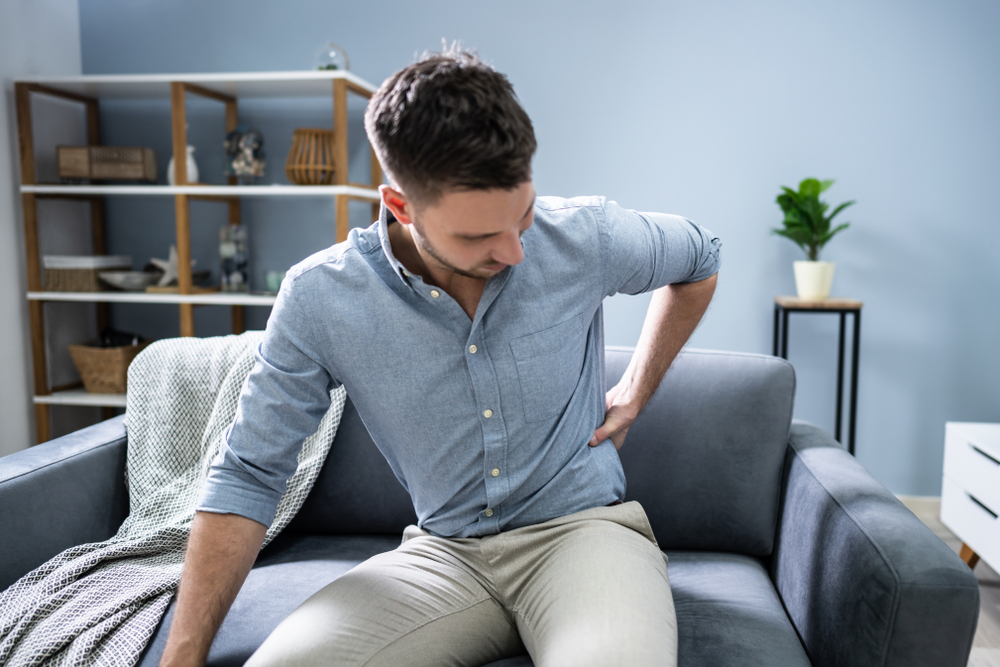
(813, 279)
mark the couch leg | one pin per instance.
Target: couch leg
(968, 556)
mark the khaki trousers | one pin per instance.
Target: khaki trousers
(589, 588)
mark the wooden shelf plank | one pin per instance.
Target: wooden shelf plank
(213, 299)
(795, 303)
(366, 193)
(81, 397)
(303, 83)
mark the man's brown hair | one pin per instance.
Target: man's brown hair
(450, 121)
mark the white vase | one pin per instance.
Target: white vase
(813, 279)
(192, 168)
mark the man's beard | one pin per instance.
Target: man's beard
(421, 241)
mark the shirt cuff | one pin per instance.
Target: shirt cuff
(230, 492)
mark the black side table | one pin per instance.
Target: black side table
(783, 305)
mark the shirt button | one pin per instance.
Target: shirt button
(435, 293)
(473, 349)
(487, 413)
(495, 472)
(488, 512)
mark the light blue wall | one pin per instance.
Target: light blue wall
(704, 109)
(40, 38)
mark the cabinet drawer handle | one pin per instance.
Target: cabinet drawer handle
(987, 509)
(985, 454)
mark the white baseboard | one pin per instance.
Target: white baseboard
(922, 504)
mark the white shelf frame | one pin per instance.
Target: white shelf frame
(355, 191)
(301, 83)
(81, 397)
(210, 299)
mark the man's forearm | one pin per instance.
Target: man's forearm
(220, 553)
(673, 315)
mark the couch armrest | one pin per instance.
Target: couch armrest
(863, 580)
(59, 494)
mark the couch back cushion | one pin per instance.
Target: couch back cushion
(356, 491)
(704, 458)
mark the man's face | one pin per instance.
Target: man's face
(475, 233)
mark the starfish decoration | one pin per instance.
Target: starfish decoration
(169, 267)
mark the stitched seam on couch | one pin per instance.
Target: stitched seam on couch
(878, 548)
(65, 458)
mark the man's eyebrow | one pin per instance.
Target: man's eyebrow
(476, 237)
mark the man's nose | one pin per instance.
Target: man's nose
(511, 251)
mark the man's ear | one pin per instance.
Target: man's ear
(397, 202)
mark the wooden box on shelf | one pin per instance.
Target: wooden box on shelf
(104, 370)
(119, 163)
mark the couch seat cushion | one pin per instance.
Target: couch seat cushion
(728, 613)
(291, 569)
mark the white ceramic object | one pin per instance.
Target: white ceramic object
(192, 168)
(813, 279)
(130, 281)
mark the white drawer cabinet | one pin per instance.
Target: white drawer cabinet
(970, 494)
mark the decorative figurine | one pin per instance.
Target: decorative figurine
(245, 156)
(169, 267)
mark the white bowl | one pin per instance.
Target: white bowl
(130, 281)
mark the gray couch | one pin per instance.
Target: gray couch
(783, 550)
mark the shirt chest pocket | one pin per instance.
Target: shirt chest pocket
(549, 364)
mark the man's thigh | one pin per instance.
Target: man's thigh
(592, 590)
(417, 605)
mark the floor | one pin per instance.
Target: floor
(986, 645)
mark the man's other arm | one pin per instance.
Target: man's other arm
(282, 403)
(221, 551)
(673, 314)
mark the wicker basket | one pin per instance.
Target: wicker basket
(77, 280)
(311, 160)
(80, 273)
(104, 370)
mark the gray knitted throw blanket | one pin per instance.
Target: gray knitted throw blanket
(99, 604)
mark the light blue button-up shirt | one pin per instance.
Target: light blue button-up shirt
(484, 421)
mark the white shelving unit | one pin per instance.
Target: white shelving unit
(226, 88)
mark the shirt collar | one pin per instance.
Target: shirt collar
(385, 217)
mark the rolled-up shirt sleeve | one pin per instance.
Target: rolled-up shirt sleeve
(282, 403)
(645, 251)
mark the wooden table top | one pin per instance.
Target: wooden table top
(795, 303)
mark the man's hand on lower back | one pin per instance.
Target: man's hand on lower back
(673, 314)
(617, 420)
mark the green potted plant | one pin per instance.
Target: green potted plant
(808, 226)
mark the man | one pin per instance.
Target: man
(466, 326)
